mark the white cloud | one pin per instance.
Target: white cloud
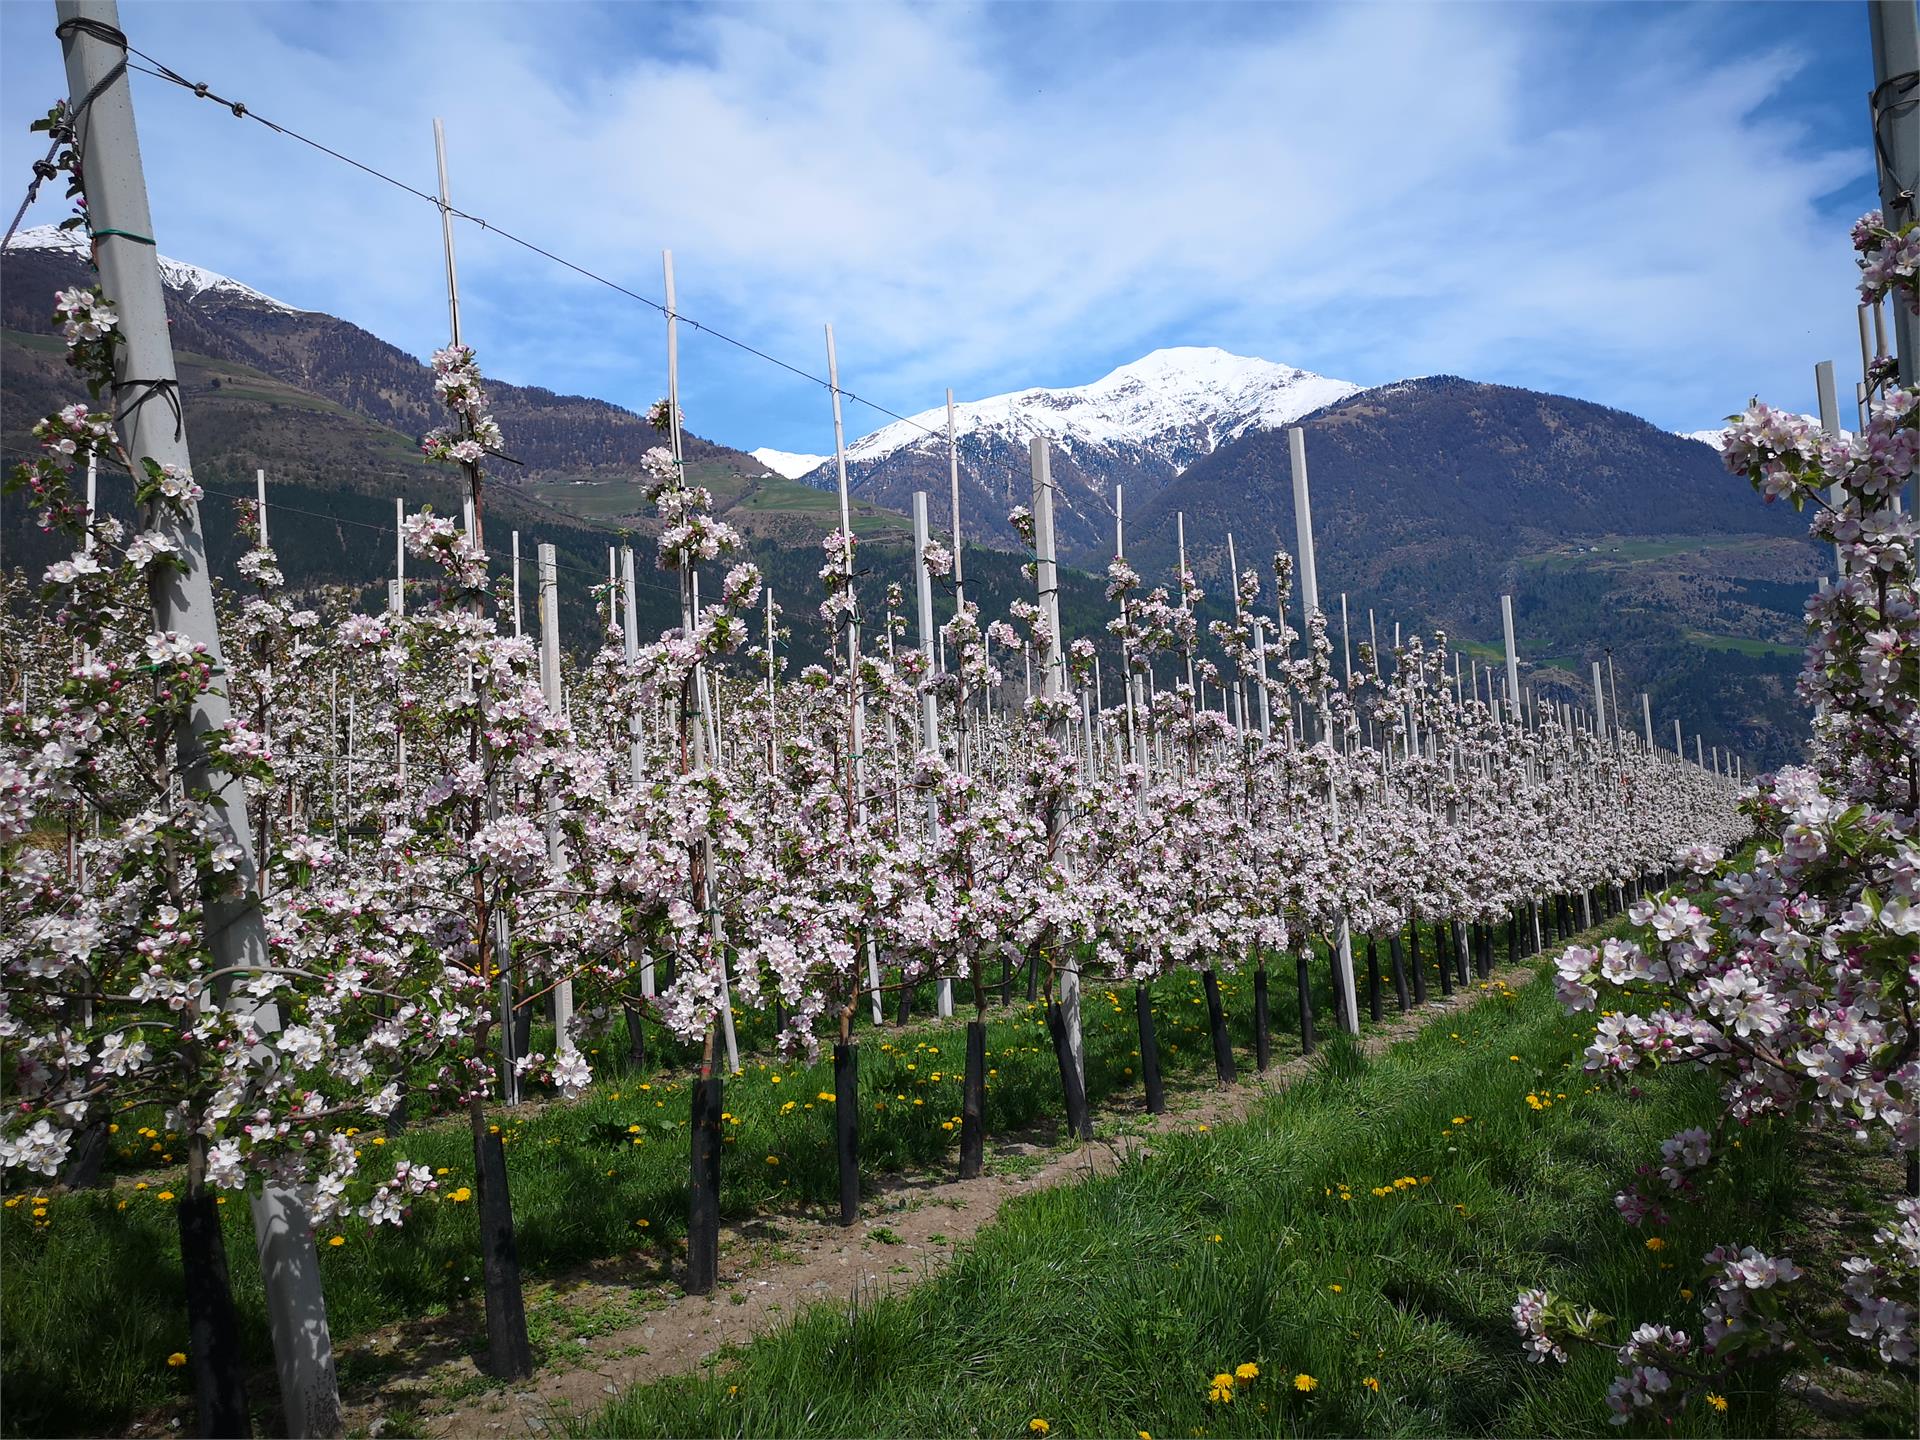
(999, 197)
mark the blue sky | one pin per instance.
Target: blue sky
(1644, 205)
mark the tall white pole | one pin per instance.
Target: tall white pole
(1303, 522)
(1346, 640)
(446, 230)
(1646, 718)
(1310, 606)
(549, 606)
(1830, 425)
(399, 606)
(1513, 656)
(953, 491)
(858, 738)
(929, 715)
(516, 584)
(183, 601)
(1054, 686)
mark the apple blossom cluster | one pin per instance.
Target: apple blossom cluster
(474, 434)
(1798, 981)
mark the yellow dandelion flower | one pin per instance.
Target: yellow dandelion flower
(1038, 1426)
(1248, 1371)
(336, 1240)
(1371, 1384)
(176, 1360)
(1654, 1242)
(164, 1195)
(1304, 1383)
(1718, 1402)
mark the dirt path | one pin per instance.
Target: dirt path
(619, 1324)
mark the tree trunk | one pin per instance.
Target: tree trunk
(1262, 1022)
(1303, 981)
(1149, 1048)
(1079, 1122)
(213, 1328)
(973, 1098)
(509, 1353)
(703, 1191)
(1217, 1023)
(1374, 1010)
(846, 1127)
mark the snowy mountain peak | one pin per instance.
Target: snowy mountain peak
(190, 280)
(1174, 405)
(788, 464)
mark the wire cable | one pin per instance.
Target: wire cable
(241, 111)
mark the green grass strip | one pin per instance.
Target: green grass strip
(1367, 1228)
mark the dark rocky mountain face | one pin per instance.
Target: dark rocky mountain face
(1431, 498)
(561, 436)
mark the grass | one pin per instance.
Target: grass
(1371, 1224)
(92, 1302)
(1740, 645)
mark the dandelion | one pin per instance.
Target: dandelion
(1038, 1426)
(1305, 1383)
(1718, 1402)
(1334, 1288)
(1371, 1384)
(1654, 1242)
(336, 1241)
(164, 1195)
(642, 1224)
(176, 1360)
(1247, 1371)
(1213, 1239)
(1220, 1392)
(773, 1159)
(461, 1196)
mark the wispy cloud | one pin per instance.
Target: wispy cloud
(1639, 205)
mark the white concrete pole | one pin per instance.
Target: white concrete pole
(1513, 656)
(1646, 718)
(1303, 522)
(953, 492)
(446, 230)
(857, 741)
(550, 689)
(1895, 34)
(929, 711)
(399, 605)
(183, 601)
(1346, 640)
(1054, 685)
(1830, 425)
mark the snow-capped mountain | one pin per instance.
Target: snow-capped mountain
(193, 282)
(1139, 426)
(786, 463)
